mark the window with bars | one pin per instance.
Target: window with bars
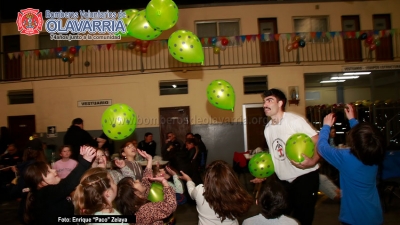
(255, 84)
(173, 87)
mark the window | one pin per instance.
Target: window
(219, 28)
(176, 87)
(46, 43)
(20, 97)
(311, 24)
(255, 84)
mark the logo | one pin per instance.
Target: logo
(29, 21)
(278, 147)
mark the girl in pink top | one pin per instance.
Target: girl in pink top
(65, 165)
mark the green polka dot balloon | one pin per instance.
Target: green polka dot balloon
(186, 47)
(118, 121)
(162, 14)
(299, 144)
(220, 94)
(130, 14)
(140, 28)
(261, 165)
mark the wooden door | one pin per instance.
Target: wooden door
(255, 125)
(176, 120)
(385, 50)
(21, 128)
(352, 45)
(269, 49)
(11, 44)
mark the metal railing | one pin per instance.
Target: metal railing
(245, 50)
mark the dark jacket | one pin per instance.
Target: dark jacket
(76, 137)
(53, 200)
(150, 147)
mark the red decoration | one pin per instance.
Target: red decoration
(72, 50)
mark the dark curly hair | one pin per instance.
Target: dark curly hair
(126, 201)
(224, 192)
(272, 199)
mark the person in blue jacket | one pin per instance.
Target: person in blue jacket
(358, 167)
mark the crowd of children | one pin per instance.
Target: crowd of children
(92, 185)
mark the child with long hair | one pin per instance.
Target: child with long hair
(101, 161)
(221, 199)
(65, 165)
(95, 194)
(358, 167)
(129, 153)
(132, 197)
(49, 194)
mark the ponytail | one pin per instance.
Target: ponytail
(89, 195)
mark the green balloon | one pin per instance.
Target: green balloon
(221, 94)
(139, 28)
(261, 165)
(118, 121)
(162, 14)
(299, 144)
(156, 193)
(130, 14)
(185, 47)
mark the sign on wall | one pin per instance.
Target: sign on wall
(370, 67)
(51, 131)
(92, 103)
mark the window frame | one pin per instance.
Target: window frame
(308, 33)
(217, 21)
(255, 77)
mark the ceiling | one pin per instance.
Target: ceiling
(379, 78)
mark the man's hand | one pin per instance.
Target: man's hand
(305, 164)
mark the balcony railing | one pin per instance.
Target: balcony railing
(253, 50)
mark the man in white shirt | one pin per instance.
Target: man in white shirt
(300, 179)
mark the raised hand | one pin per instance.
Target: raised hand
(329, 119)
(185, 176)
(120, 163)
(171, 172)
(349, 110)
(145, 155)
(88, 153)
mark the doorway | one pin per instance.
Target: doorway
(383, 52)
(269, 50)
(254, 120)
(352, 45)
(11, 44)
(21, 128)
(175, 120)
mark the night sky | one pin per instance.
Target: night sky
(10, 8)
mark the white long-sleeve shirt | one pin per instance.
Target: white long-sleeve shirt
(207, 216)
